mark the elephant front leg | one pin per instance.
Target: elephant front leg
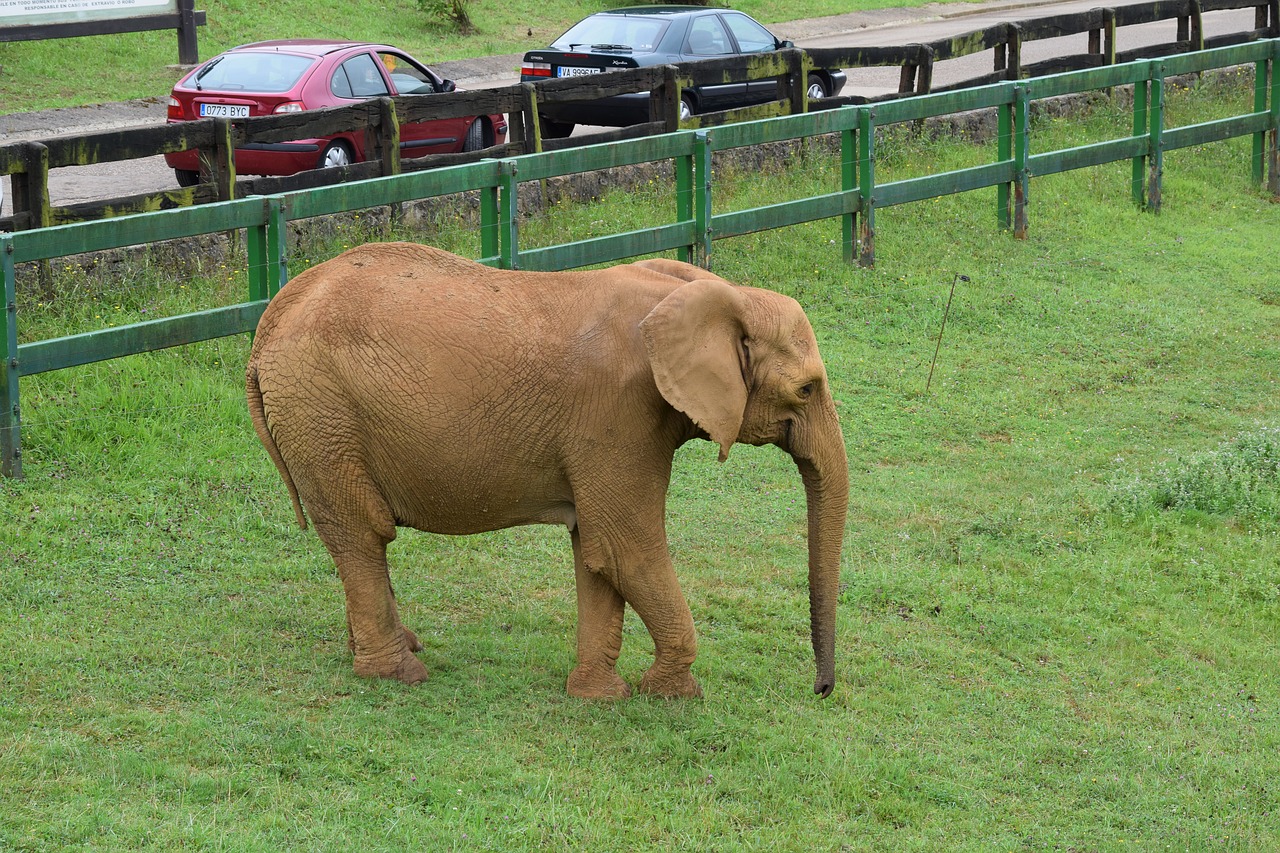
(653, 590)
(600, 612)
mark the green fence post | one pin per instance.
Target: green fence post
(867, 185)
(849, 184)
(1272, 65)
(702, 199)
(508, 232)
(490, 222)
(268, 256)
(684, 165)
(1259, 105)
(1021, 153)
(1138, 182)
(1155, 130)
(10, 413)
(1004, 152)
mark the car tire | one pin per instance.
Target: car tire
(475, 137)
(554, 129)
(817, 88)
(686, 108)
(187, 177)
(336, 153)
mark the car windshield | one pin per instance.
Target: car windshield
(640, 34)
(252, 72)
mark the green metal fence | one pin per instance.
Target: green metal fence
(695, 225)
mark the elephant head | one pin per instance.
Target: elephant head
(743, 364)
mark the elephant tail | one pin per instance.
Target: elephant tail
(259, 416)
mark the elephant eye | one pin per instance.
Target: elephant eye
(805, 392)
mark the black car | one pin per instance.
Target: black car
(641, 36)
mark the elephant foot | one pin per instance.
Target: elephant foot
(415, 645)
(670, 685)
(406, 668)
(595, 684)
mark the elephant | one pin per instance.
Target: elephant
(399, 385)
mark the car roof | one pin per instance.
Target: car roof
(312, 47)
(670, 11)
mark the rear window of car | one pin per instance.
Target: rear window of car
(640, 34)
(252, 72)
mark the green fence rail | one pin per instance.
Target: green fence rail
(695, 225)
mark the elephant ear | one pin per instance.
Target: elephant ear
(694, 341)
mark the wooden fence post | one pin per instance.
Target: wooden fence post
(1197, 27)
(31, 186)
(797, 81)
(1013, 65)
(224, 160)
(31, 195)
(529, 119)
(388, 137)
(664, 100)
(188, 51)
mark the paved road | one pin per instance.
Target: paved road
(872, 28)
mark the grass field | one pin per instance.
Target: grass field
(39, 75)
(1061, 590)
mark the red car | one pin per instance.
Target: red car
(293, 75)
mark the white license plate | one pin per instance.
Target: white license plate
(223, 111)
(562, 71)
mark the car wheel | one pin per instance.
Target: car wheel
(554, 129)
(187, 177)
(817, 89)
(334, 154)
(475, 137)
(686, 108)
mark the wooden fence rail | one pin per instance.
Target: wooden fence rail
(29, 162)
(695, 224)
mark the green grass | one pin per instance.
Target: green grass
(1034, 653)
(72, 72)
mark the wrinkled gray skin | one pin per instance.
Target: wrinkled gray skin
(400, 385)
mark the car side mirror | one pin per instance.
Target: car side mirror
(786, 44)
(448, 86)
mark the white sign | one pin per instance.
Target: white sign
(26, 12)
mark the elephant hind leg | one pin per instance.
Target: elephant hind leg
(381, 645)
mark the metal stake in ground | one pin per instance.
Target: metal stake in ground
(945, 313)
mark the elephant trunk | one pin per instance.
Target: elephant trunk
(824, 468)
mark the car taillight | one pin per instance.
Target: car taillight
(535, 69)
(289, 107)
(175, 108)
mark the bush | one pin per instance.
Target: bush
(1240, 479)
(454, 13)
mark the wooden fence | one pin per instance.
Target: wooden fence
(29, 162)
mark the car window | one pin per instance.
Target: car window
(752, 38)
(358, 77)
(641, 34)
(407, 76)
(707, 37)
(251, 72)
